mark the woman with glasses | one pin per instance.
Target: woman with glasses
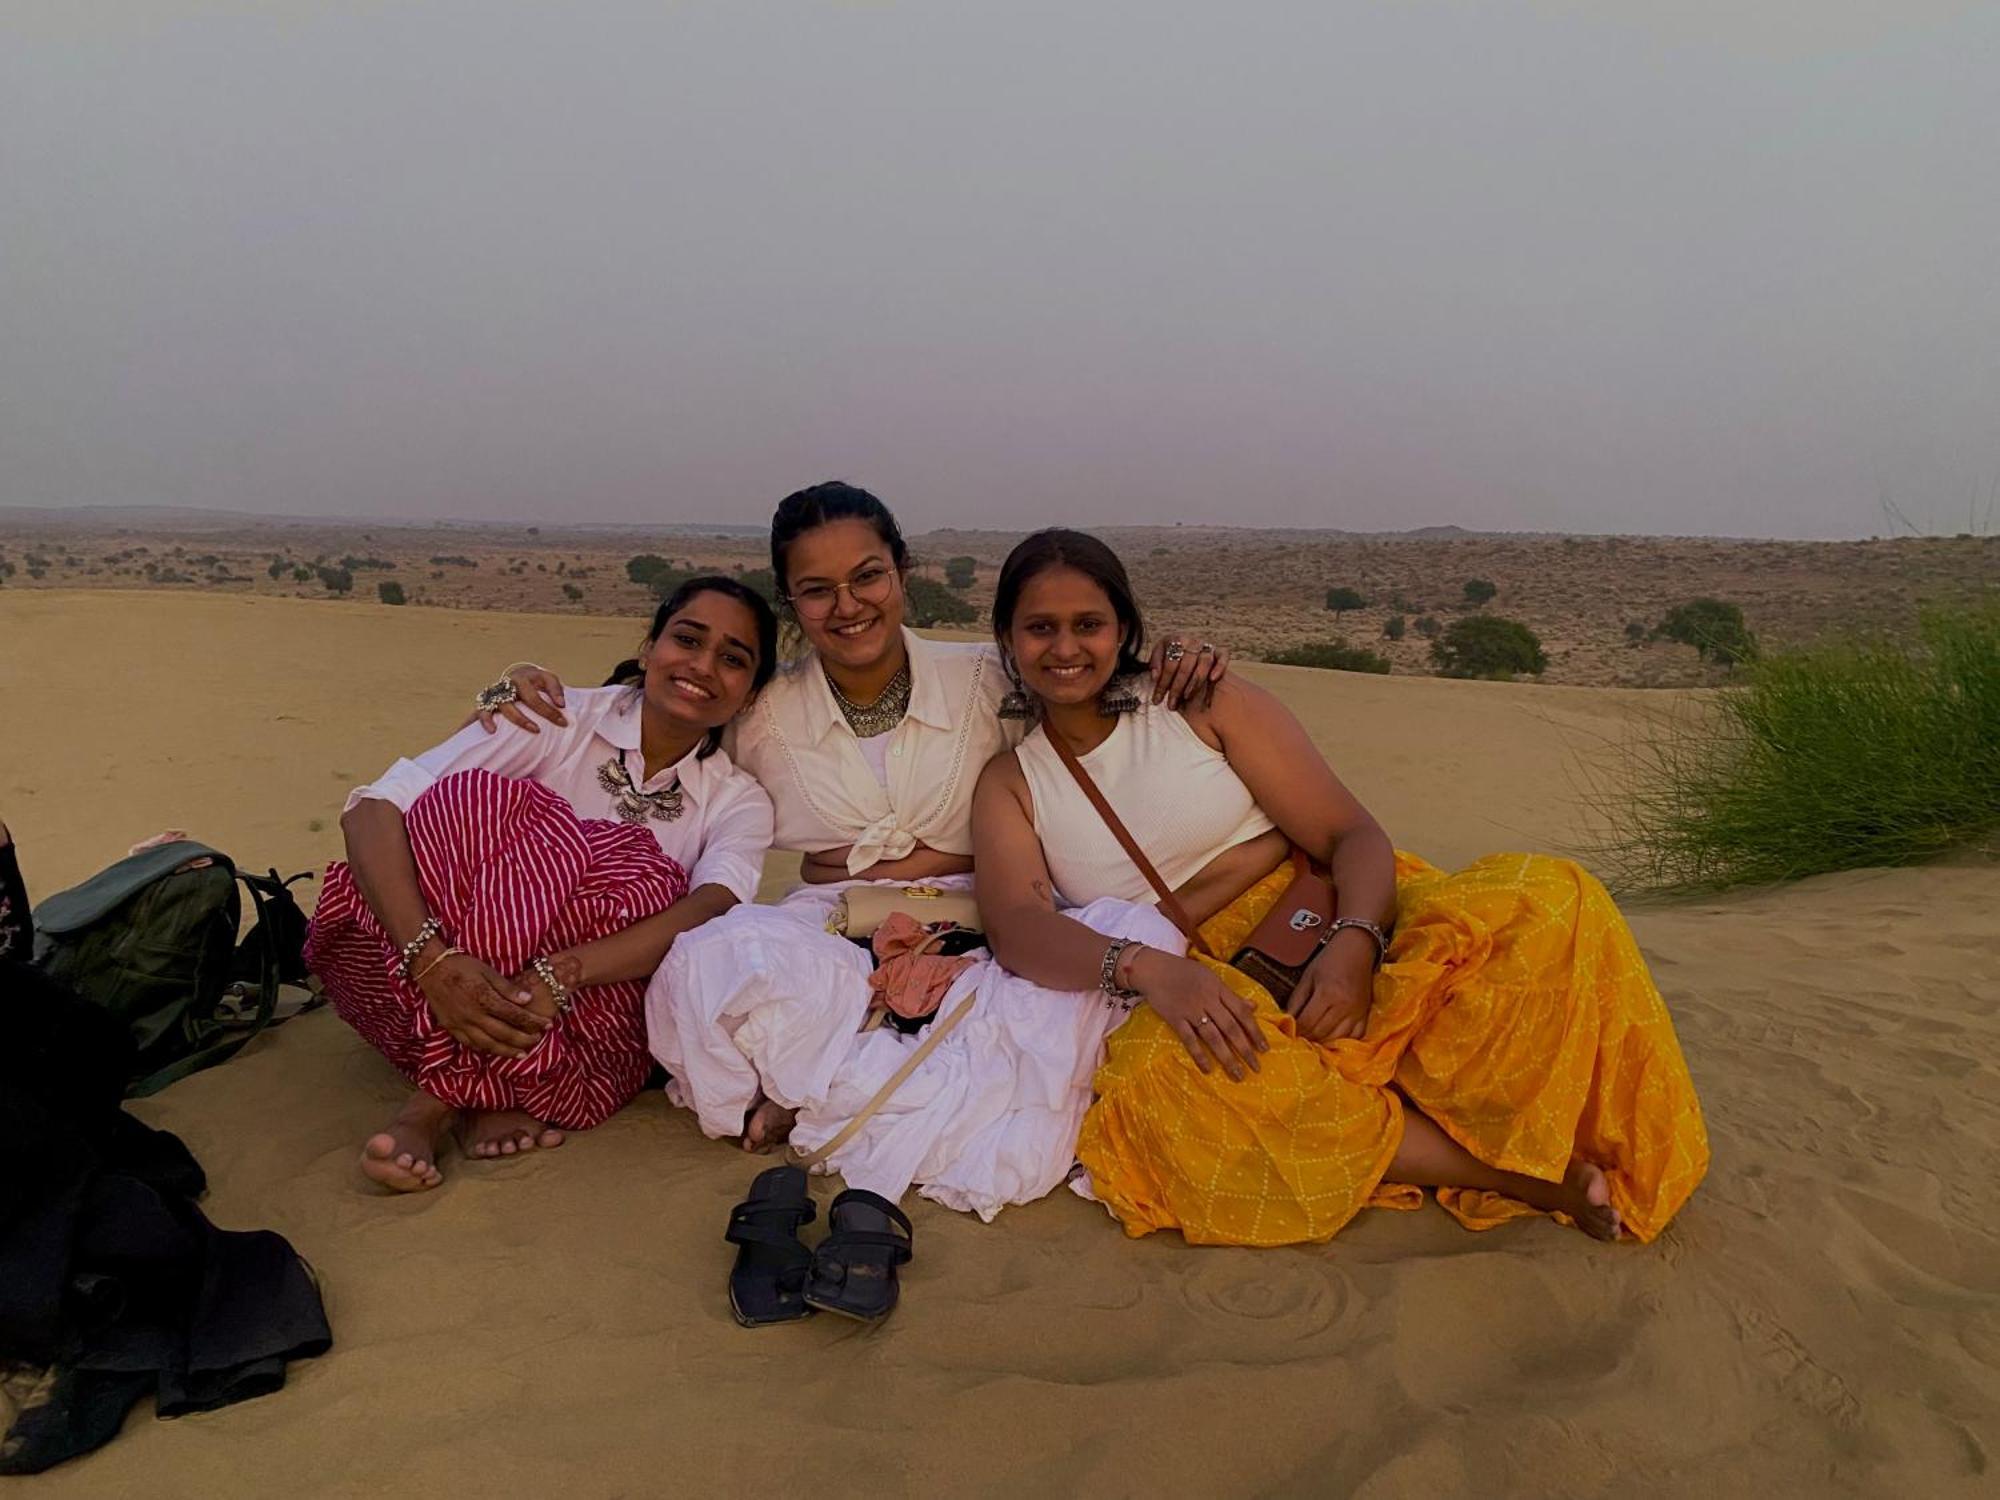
(869, 745)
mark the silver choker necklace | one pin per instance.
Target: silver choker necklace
(633, 805)
(870, 719)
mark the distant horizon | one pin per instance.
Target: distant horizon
(1439, 530)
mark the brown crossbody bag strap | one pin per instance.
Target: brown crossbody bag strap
(1169, 902)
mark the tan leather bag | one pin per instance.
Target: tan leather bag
(863, 908)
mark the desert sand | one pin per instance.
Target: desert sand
(1824, 1318)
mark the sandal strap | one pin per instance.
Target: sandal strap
(842, 1240)
(871, 1200)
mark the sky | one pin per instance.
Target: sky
(1695, 267)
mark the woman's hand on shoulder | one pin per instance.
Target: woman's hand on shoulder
(538, 694)
(1186, 670)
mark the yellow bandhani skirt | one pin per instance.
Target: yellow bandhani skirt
(1514, 1010)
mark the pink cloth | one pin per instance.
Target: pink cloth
(910, 983)
(512, 872)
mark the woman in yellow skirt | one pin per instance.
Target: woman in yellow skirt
(1492, 1033)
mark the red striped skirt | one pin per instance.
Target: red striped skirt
(512, 872)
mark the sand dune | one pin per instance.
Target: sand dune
(1823, 1319)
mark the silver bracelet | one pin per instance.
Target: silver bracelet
(432, 928)
(1373, 929)
(546, 972)
(1107, 972)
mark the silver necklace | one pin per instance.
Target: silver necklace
(870, 719)
(633, 805)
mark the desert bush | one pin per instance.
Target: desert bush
(453, 560)
(1395, 627)
(960, 571)
(391, 592)
(1479, 591)
(1428, 627)
(646, 567)
(1635, 631)
(572, 593)
(336, 580)
(1340, 600)
(1488, 646)
(1713, 628)
(931, 603)
(278, 567)
(302, 574)
(763, 580)
(1833, 757)
(1334, 655)
(365, 564)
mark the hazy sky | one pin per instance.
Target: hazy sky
(1688, 266)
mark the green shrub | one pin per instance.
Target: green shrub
(336, 580)
(1488, 646)
(302, 574)
(763, 580)
(1860, 753)
(1635, 631)
(1713, 628)
(572, 593)
(277, 568)
(390, 592)
(1334, 656)
(1341, 600)
(1395, 627)
(1428, 627)
(960, 571)
(931, 603)
(1479, 591)
(645, 568)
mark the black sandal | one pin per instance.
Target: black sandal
(854, 1268)
(767, 1282)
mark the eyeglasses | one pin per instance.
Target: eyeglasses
(869, 586)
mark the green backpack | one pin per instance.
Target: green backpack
(157, 945)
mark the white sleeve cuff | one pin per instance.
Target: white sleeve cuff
(401, 784)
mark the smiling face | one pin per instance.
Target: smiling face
(701, 668)
(1065, 636)
(846, 593)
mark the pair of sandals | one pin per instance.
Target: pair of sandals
(851, 1272)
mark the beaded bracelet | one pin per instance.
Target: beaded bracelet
(432, 928)
(546, 972)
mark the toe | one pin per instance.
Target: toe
(550, 1138)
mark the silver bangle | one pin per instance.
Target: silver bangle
(432, 928)
(546, 972)
(1373, 929)
(1107, 972)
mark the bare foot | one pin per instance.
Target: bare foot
(1585, 1195)
(404, 1157)
(767, 1125)
(505, 1132)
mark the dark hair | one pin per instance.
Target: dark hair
(1059, 547)
(835, 500)
(628, 673)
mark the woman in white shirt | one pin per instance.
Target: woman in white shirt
(870, 745)
(506, 897)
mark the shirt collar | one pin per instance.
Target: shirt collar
(929, 698)
(621, 728)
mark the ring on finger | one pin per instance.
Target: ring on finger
(1203, 649)
(1176, 649)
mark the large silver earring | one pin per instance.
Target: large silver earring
(1015, 703)
(1120, 696)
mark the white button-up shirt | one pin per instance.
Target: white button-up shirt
(796, 742)
(725, 825)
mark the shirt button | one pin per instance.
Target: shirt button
(896, 750)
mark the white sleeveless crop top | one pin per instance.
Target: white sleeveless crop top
(1180, 798)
